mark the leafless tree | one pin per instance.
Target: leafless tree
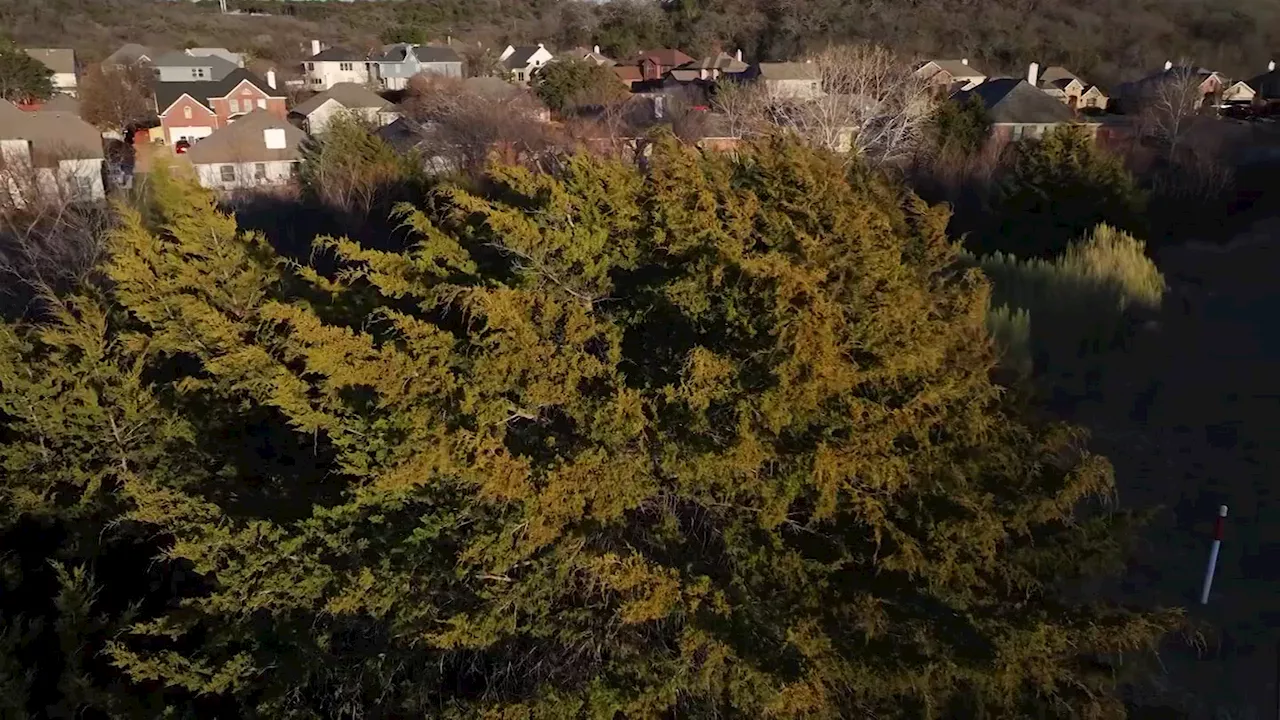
(118, 97)
(1169, 105)
(868, 102)
(465, 122)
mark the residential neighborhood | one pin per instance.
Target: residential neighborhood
(202, 95)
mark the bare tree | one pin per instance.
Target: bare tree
(868, 103)
(118, 97)
(1169, 105)
(467, 120)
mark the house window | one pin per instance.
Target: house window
(311, 66)
(317, 81)
(1017, 132)
(228, 173)
(186, 112)
(519, 76)
(197, 73)
(345, 67)
(262, 103)
(235, 105)
(260, 171)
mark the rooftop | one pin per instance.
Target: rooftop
(1015, 101)
(244, 141)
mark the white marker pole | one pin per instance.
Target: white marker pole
(1213, 555)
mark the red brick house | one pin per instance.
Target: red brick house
(193, 110)
(654, 64)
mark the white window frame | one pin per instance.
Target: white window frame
(224, 170)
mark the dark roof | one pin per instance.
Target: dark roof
(1266, 85)
(402, 134)
(336, 54)
(436, 54)
(520, 56)
(348, 95)
(243, 141)
(663, 56)
(1014, 100)
(167, 93)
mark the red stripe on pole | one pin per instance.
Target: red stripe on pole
(1217, 528)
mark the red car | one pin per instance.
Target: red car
(182, 146)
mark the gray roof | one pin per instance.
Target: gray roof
(242, 142)
(336, 54)
(724, 62)
(583, 53)
(348, 95)
(520, 58)
(167, 93)
(61, 103)
(788, 71)
(130, 53)
(490, 87)
(53, 135)
(234, 58)
(218, 67)
(1055, 74)
(957, 68)
(59, 60)
(403, 134)
(1015, 101)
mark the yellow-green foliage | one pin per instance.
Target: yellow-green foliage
(714, 440)
(1080, 302)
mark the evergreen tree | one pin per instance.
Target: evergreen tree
(349, 168)
(22, 77)
(1056, 190)
(565, 84)
(717, 439)
(961, 128)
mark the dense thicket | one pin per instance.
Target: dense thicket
(1107, 40)
(717, 439)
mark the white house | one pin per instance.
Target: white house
(789, 80)
(51, 155)
(356, 100)
(330, 66)
(63, 64)
(523, 61)
(258, 150)
(396, 64)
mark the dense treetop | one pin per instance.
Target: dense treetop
(718, 438)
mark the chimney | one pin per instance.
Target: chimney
(315, 47)
(1033, 74)
(271, 79)
(1168, 64)
(738, 55)
(1271, 66)
(964, 61)
(596, 49)
(540, 46)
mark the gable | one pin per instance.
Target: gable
(243, 89)
(185, 100)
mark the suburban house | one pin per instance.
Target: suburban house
(51, 154)
(349, 98)
(258, 150)
(1018, 109)
(395, 64)
(590, 55)
(628, 74)
(711, 68)
(1059, 82)
(190, 111)
(63, 64)
(131, 54)
(328, 67)
(178, 66)
(523, 61)
(1266, 87)
(1209, 83)
(788, 80)
(232, 57)
(951, 74)
(1239, 93)
(653, 64)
